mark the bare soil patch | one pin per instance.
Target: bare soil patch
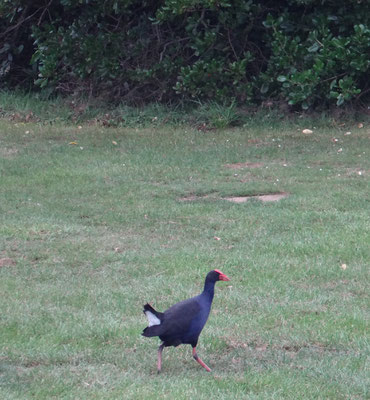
(270, 197)
(8, 152)
(261, 197)
(356, 171)
(241, 165)
(191, 197)
(6, 262)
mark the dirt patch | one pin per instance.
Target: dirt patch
(8, 152)
(192, 197)
(314, 347)
(262, 197)
(188, 198)
(244, 165)
(23, 117)
(33, 364)
(270, 197)
(356, 171)
(6, 262)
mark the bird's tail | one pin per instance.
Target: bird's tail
(148, 307)
(154, 321)
(151, 331)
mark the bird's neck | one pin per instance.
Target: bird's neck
(209, 290)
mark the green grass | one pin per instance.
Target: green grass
(94, 230)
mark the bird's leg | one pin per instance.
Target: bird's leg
(197, 359)
(159, 362)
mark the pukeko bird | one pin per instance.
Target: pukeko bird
(184, 321)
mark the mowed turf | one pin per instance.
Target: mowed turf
(95, 222)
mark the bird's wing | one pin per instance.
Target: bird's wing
(177, 319)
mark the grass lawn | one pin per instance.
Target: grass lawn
(94, 222)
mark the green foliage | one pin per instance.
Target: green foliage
(306, 54)
(320, 58)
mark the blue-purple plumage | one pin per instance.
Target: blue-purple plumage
(184, 321)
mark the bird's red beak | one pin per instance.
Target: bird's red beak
(222, 276)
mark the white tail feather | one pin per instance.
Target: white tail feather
(152, 319)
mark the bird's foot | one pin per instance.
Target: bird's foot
(159, 361)
(201, 362)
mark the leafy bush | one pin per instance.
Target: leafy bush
(307, 53)
(318, 57)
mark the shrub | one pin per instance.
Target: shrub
(307, 53)
(319, 57)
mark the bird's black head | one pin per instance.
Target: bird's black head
(217, 275)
